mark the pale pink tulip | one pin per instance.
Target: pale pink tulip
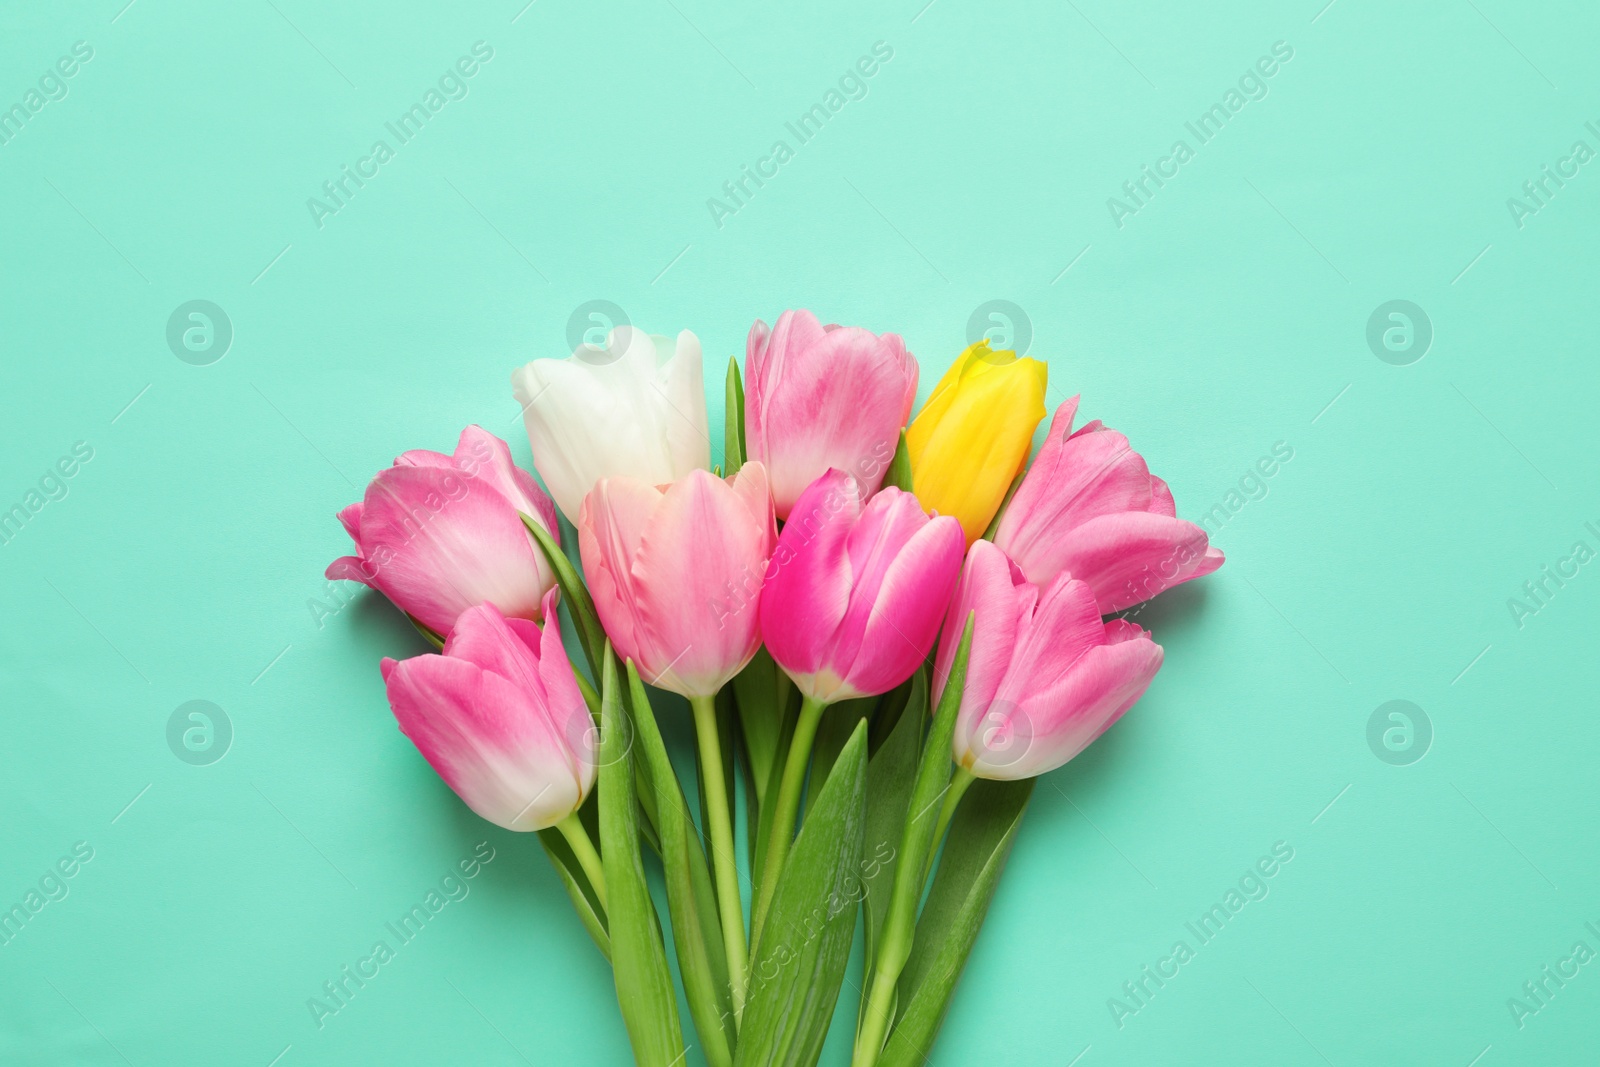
(1045, 676)
(500, 717)
(675, 572)
(1090, 508)
(857, 589)
(439, 534)
(824, 396)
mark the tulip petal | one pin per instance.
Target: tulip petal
(1119, 630)
(1074, 480)
(486, 740)
(992, 589)
(808, 579)
(1208, 563)
(974, 434)
(438, 543)
(621, 414)
(561, 685)
(350, 519)
(483, 455)
(350, 568)
(750, 486)
(482, 638)
(422, 457)
(886, 526)
(1130, 557)
(1046, 644)
(1063, 628)
(680, 397)
(1161, 501)
(1061, 421)
(698, 575)
(611, 524)
(1054, 723)
(901, 605)
(755, 346)
(546, 389)
(818, 398)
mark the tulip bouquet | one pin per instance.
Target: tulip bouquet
(885, 629)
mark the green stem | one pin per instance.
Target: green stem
(899, 927)
(958, 789)
(724, 862)
(785, 683)
(583, 848)
(590, 697)
(788, 806)
(874, 1018)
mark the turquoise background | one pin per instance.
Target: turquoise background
(1227, 315)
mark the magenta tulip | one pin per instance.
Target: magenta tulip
(499, 715)
(439, 534)
(824, 396)
(675, 572)
(1090, 508)
(853, 600)
(857, 589)
(1045, 676)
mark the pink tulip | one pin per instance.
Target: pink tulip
(824, 396)
(855, 594)
(1090, 508)
(675, 572)
(500, 717)
(1045, 676)
(440, 534)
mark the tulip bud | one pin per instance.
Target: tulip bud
(500, 717)
(1045, 676)
(856, 590)
(675, 572)
(824, 396)
(440, 534)
(1090, 508)
(973, 435)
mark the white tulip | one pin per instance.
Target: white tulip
(636, 408)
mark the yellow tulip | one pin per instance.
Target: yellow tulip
(974, 434)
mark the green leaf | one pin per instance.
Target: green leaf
(899, 473)
(890, 775)
(647, 797)
(758, 694)
(733, 419)
(805, 945)
(981, 835)
(578, 887)
(838, 723)
(428, 634)
(916, 840)
(638, 956)
(691, 900)
(994, 523)
(933, 780)
(573, 593)
(762, 833)
(590, 698)
(890, 707)
(591, 636)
